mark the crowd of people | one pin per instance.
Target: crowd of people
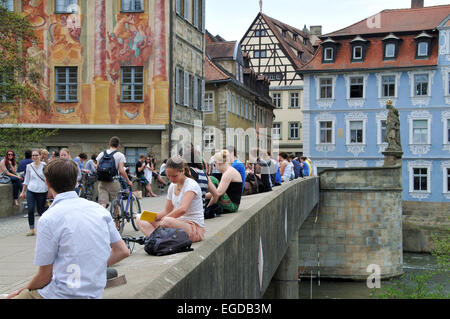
(195, 189)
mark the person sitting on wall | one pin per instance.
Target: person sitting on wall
(230, 187)
(184, 204)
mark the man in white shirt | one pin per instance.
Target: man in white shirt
(76, 241)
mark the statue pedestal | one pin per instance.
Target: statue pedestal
(392, 158)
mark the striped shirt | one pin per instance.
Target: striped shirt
(202, 180)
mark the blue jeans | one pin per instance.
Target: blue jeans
(17, 186)
(35, 200)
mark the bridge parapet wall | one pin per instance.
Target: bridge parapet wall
(238, 257)
(359, 224)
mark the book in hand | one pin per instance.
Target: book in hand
(148, 216)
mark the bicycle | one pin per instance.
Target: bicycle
(122, 211)
(132, 241)
(86, 187)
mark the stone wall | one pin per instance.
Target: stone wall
(6, 200)
(422, 220)
(359, 223)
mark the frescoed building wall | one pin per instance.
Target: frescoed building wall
(108, 65)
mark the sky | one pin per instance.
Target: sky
(232, 18)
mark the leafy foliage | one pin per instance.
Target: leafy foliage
(17, 81)
(419, 285)
(20, 139)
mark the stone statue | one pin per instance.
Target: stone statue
(393, 152)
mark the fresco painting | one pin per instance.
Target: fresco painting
(67, 40)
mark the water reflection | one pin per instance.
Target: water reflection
(341, 289)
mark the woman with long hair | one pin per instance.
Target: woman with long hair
(35, 189)
(9, 166)
(285, 166)
(229, 189)
(184, 205)
(149, 176)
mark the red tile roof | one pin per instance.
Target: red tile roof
(223, 49)
(213, 72)
(413, 21)
(397, 20)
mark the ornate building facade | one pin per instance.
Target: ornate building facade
(110, 68)
(399, 55)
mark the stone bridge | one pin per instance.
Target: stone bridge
(242, 256)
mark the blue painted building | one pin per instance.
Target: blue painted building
(401, 55)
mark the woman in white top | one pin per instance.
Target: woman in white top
(184, 205)
(285, 168)
(34, 188)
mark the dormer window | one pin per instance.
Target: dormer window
(423, 46)
(283, 33)
(294, 37)
(390, 47)
(328, 54)
(389, 50)
(422, 49)
(329, 51)
(358, 49)
(299, 55)
(357, 52)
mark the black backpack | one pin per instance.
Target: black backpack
(106, 169)
(212, 211)
(167, 241)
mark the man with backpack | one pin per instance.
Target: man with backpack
(111, 163)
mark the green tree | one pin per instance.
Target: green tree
(420, 285)
(20, 139)
(17, 81)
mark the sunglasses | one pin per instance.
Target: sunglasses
(10, 154)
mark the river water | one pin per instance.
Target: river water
(340, 289)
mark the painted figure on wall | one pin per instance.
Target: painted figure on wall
(130, 43)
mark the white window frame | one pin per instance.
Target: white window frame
(419, 46)
(326, 129)
(386, 50)
(325, 147)
(325, 103)
(445, 116)
(354, 52)
(276, 97)
(209, 102)
(356, 102)
(293, 98)
(70, 5)
(419, 149)
(356, 148)
(275, 135)
(445, 72)
(419, 164)
(325, 54)
(380, 143)
(421, 99)
(228, 101)
(298, 130)
(445, 189)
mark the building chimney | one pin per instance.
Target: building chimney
(416, 4)
(316, 30)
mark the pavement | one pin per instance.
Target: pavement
(17, 250)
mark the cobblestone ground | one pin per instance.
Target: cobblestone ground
(13, 225)
(17, 250)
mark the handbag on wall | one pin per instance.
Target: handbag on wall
(4, 179)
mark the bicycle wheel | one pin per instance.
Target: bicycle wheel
(135, 209)
(115, 210)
